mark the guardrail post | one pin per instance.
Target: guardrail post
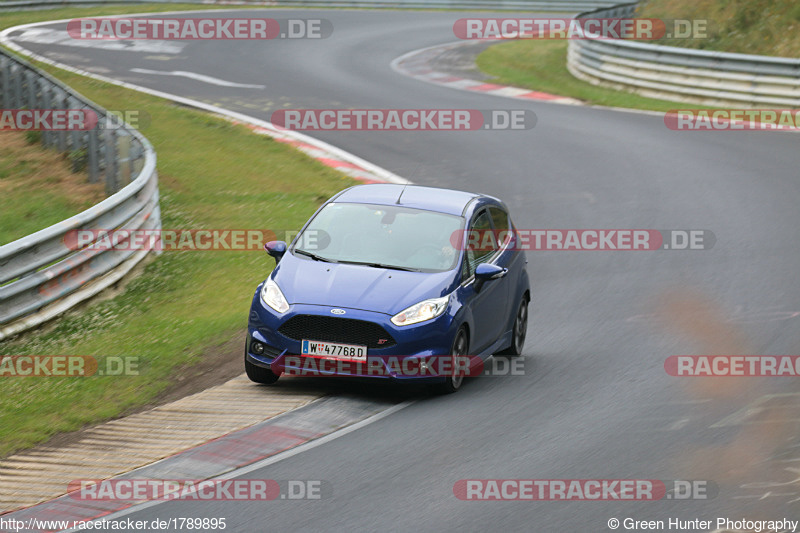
(47, 137)
(16, 93)
(60, 102)
(123, 158)
(93, 154)
(110, 149)
(5, 82)
(32, 86)
(135, 158)
(77, 142)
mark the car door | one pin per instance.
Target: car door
(488, 305)
(508, 258)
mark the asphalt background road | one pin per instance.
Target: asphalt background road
(595, 401)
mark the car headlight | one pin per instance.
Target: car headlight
(422, 311)
(273, 296)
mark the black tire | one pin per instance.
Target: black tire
(259, 374)
(520, 330)
(460, 347)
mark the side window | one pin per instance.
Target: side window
(501, 225)
(480, 249)
(499, 218)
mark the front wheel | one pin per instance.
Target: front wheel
(459, 350)
(259, 374)
(520, 330)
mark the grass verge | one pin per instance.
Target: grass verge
(213, 174)
(763, 27)
(38, 187)
(541, 65)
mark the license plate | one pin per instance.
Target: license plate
(334, 350)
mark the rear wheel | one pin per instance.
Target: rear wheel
(259, 374)
(460, 349)
(520, 330)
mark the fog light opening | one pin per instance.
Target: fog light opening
(257, 347)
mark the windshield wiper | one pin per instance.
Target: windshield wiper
(313, 256)
(381, 265)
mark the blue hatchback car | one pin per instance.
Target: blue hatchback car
(389, 281)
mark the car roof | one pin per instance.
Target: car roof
(416, 196)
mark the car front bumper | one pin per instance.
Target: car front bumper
(421, 352)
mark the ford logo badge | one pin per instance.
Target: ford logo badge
(338, 311)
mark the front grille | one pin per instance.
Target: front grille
(331, 329)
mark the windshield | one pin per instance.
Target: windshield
(380, 235)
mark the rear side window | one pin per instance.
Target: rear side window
(499, 219)
(502, 225)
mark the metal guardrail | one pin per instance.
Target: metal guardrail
(42, 275)
(562, 6)
(681, 74)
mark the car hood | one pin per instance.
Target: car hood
(356, 286)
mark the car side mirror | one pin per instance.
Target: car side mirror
(276, 249)
(487, 272)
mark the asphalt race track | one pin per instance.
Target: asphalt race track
(594, 401)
